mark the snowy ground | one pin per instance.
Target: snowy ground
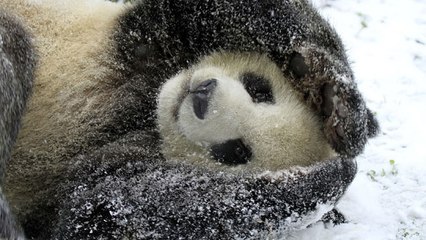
(386, 41)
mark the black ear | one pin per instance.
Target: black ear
(372, 124)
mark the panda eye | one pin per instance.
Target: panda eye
(258, 88)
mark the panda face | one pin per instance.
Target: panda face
(236, 110)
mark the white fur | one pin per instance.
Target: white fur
(210, 129)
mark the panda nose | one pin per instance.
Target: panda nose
(201, 96)
(232, 152)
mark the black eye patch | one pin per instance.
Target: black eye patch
(258, 88)
(232, 152)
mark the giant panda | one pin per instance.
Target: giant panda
(174, 119)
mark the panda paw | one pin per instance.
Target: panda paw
(335, 110)
(347, 121)
(327, 87)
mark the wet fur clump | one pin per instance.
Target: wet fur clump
(87, 163)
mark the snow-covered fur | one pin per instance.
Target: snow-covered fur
(88, 163)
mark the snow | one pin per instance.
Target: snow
(386, 42)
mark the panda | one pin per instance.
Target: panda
(174, 119)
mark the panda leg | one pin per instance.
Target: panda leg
(17, 63)
(16, 75)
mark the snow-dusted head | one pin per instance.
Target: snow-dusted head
(237, 109)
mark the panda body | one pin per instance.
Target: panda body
(90, 161)
(75, 81)
(74, 75)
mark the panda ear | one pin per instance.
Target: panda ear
(298, 66)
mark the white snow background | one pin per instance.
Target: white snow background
(386, 43)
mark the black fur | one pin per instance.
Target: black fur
(258, 88)
(231, 152)
(17, 62)
(126, 189)
(155, 199)
(334, 217)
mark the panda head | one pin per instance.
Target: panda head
(238, 111)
